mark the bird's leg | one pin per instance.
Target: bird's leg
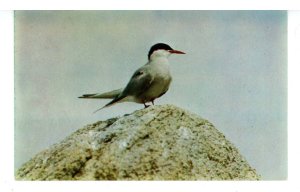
(146, 105)
(152, 101)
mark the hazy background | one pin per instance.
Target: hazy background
(234, 74)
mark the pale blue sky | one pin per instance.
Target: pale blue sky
(234, 74)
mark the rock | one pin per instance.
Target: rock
(157, 143)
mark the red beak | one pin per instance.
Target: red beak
(176, 52)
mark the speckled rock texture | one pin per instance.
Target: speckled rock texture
(157, 143)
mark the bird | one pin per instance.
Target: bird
(147, 83)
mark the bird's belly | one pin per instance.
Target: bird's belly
(159, 87)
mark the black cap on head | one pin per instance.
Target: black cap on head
(158, 46)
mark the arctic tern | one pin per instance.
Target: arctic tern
(148, 83)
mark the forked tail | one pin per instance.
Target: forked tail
(114, 101)
(108, 95)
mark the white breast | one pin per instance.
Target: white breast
(162, 78)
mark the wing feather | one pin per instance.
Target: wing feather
(139, 82)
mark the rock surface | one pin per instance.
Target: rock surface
(157, 143)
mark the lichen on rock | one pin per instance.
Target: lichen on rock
(156, 143)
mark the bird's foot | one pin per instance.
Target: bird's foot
(146, 106)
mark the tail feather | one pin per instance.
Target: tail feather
(87, 96)
(114, 101)
(107, 95)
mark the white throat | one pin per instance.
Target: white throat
(161, 53)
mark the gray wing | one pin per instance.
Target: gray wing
(138, 84)
(140, 81)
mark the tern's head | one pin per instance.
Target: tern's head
(161, 50)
